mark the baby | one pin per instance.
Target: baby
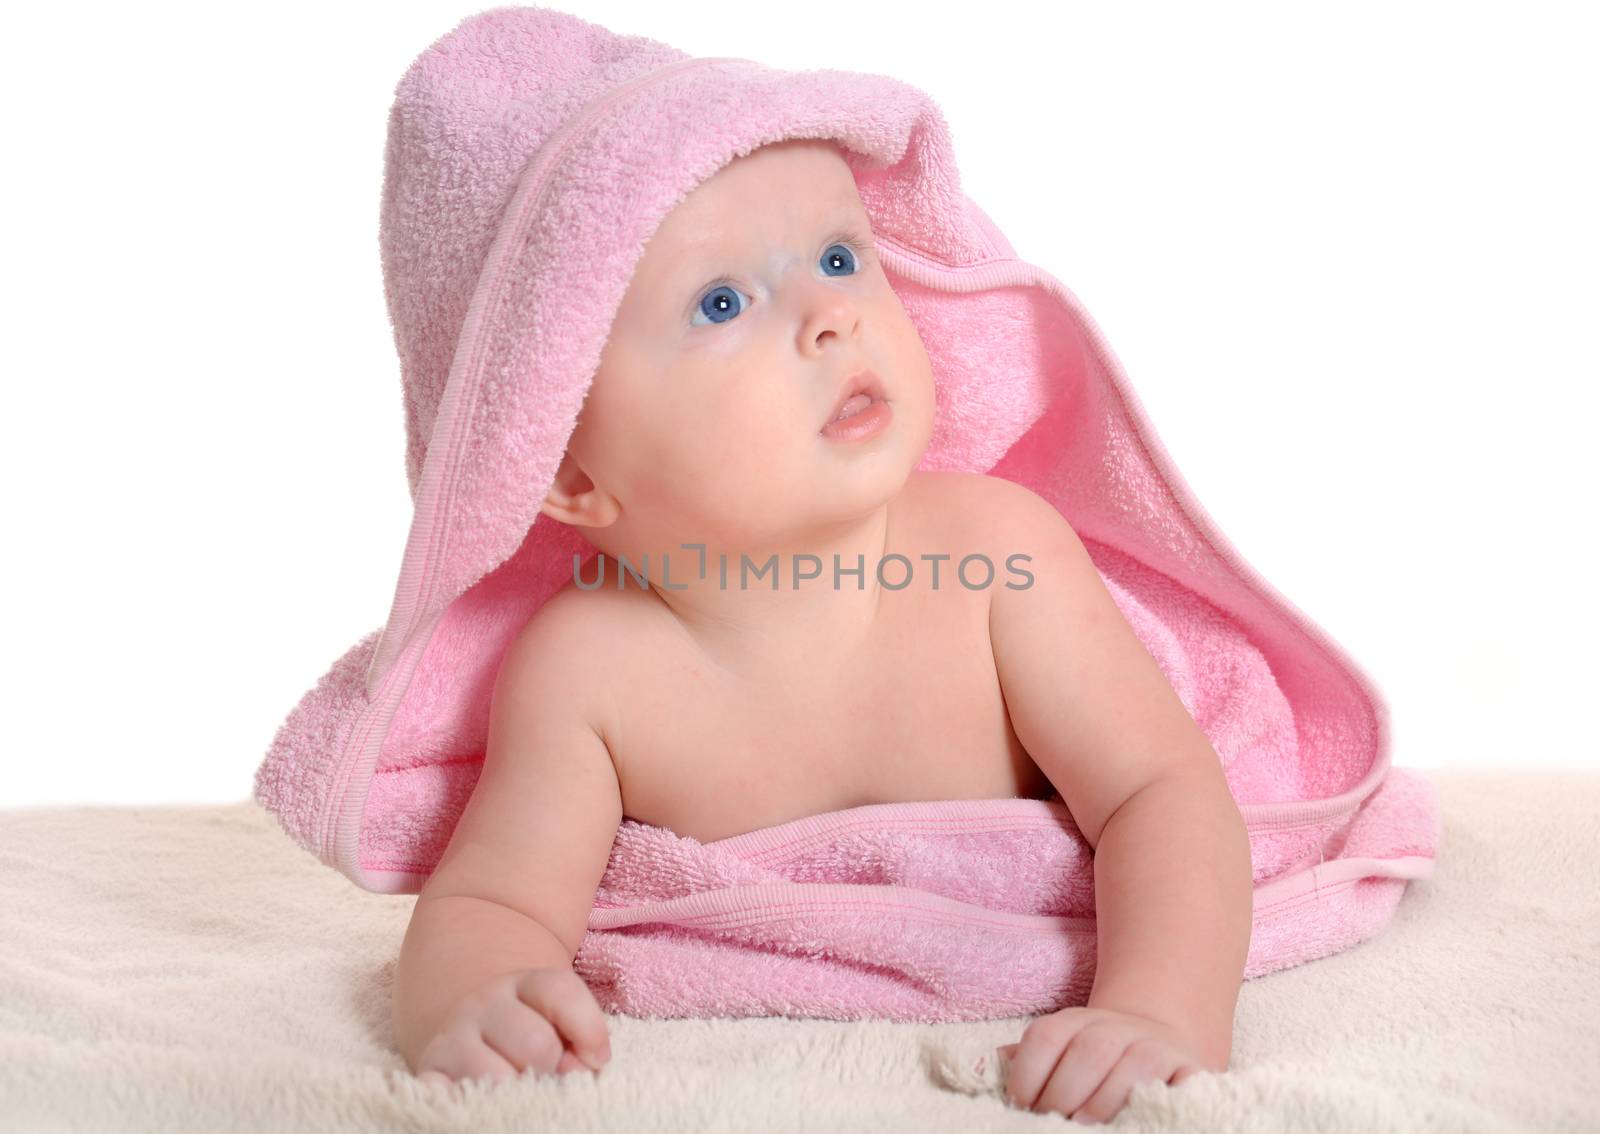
(814, 624)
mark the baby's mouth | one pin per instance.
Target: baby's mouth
(861, 393)
(861, 416)
(855, 405)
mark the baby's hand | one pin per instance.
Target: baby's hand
(538, 1018)
(1102, 1055)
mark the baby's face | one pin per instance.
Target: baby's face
(758, 296)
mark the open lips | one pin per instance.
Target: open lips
(858, 392)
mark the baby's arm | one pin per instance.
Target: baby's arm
(1172, 866)
(485, 971)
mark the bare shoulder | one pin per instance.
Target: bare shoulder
(569, 642)
(991, 514)
(1020, 512)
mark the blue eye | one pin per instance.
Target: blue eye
(846, 254)
(722, 302)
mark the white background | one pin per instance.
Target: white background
(1347, 254)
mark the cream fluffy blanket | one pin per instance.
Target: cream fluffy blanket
(188, 968)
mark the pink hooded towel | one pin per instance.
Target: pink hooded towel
(528, 140)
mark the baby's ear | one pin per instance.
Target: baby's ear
(574, 498)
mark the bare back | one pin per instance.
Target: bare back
(916, 714)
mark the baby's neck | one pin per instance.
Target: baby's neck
(759, 612)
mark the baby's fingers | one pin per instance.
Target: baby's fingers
(562, 998)
(460, 1053)
(1146, 1060)
(1088, 1059)
(521, 1036)
(1034, 1057)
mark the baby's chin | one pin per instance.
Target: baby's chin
(796, 496)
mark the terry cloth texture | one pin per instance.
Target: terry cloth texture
(526, 140)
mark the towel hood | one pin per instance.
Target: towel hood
(509, 140)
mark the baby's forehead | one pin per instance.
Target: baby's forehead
(769, 189)
(755, 212)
